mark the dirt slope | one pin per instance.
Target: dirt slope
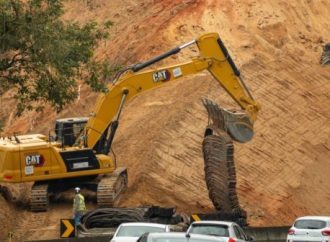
(277, 44)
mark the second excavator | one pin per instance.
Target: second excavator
(78, 154)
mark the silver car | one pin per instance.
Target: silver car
(130, 232)
(229, 231)
(179, 237)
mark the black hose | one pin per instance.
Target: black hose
(140, 66)
(113, 217)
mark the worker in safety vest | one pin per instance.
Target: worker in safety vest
(79, 206)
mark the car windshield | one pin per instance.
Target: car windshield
(210, 229)
(137, 231)
(310, 224)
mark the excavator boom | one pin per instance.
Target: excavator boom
(213, 57)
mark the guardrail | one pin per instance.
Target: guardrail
(268, 234)
(89, 239)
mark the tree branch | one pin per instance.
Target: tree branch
(15, 7)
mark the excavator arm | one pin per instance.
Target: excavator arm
(213, 56)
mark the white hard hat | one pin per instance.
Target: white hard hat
(77, 189)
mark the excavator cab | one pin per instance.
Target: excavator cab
(67, 130)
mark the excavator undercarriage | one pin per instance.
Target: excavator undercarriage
(105, 189)
(110, 188)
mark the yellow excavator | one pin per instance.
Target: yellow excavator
(78, 153)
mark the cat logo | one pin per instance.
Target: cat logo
(34, 160)
(161, 76)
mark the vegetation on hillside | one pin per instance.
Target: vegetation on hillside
(42, 57)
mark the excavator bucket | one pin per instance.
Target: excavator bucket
(237, 124)
(239, 127)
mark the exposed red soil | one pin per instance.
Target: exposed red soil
(282, 173)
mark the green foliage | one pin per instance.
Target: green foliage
(42, 57)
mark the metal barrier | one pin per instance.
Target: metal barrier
(94, 239)
(268, 234)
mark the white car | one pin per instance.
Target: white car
(130, 232)
(179, 237)
(228, 231)
(310, 228)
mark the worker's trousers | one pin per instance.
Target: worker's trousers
(77, 217)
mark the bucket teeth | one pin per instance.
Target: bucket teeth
(215, 115)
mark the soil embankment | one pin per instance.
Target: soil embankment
(281, 174)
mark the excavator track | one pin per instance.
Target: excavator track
(219, 165)
(220, 171)
(39, 197)
(110, 187)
